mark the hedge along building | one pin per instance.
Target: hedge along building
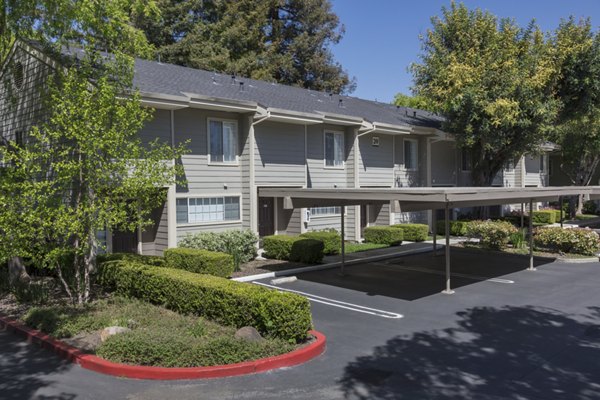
(245, 135)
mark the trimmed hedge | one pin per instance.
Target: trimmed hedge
(543, 217)
(274, 314)
(331, 239)
(414, 232)
(389, 235)
(200, 261)
(574, 240)
(150, 260)
(241, 244)
(457, 228)
(293, 248)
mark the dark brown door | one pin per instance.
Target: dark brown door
(363, 218)
(266, 225)
(124, 242)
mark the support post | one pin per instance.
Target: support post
(434, 231)
(522, 216)
(531, 268)
(343, 211)
(560, 205)
(448, 289)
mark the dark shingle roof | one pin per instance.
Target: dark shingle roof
(155, 77)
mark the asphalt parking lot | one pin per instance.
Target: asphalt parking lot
(506, 333)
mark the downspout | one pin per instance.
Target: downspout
(171, 198)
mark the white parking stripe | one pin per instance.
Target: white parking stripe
(436, 272)
(338, 303)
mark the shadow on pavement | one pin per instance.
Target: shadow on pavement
(492, 353)
(25, 370)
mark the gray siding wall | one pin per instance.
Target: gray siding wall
(288, 221)
(376, 164)
(159, 127)
(155, 238)
(318, 175)
(279, 154)
(21, 108)
(202, 179)
(325, 222)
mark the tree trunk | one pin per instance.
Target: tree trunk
(16, 271)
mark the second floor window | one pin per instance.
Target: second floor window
(222, 141)
(410, 154)
(334, 149)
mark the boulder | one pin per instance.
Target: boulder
(112, 330)
(249, 334)
(88, 342)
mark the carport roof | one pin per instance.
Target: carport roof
(418, 199)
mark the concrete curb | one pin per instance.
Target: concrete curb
(319, 267)
(577, 260)
(97, 364)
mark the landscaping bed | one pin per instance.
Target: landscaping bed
(155, 337)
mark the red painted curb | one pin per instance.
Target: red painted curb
(97, 364)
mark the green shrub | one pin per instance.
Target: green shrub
(331, 240)
(543, 217)
(384, 235)
(308, 251)
(590, 207)
(557, 215)
(240, 244)
(457, 228)
(200, 261)
(150, 260)
(414, 232)
(493, 234)
(517, 239)
(576, 240)
(293, 248)
(276, 314)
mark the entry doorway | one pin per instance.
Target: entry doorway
(364, 219)
(266, 214)
(124, 242)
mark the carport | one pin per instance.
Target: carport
(422, 199)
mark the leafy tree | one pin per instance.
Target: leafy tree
(417, 102)
(82, 171)
(578, 89)
(282, 40)
(493, 82)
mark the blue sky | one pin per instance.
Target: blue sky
(382, 36)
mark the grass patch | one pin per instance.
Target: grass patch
(358, 247)
(159, 337)
(582, 217)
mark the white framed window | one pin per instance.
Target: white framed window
(222, 141)
(325, 211)
(334, 149)
(465, 160)
(199, 210)
(411, 160)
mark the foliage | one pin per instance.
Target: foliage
(144, 259)
(78, 172)
(590, 207)
(574, 240)
(358, 247)
(293, 248)
(4, 278)
(200, 261)
(543, 217)
(517, 239)
(241, 244)
(414, 232)
(159, 337)
(457, 228)
(578, 89)
(275, 314)
(582, 217)
(493, 234)
(416, 102)
(387, 235)
(32, 292)
(331, 239)
(493, 81)
(285, 41)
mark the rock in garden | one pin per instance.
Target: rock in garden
(249, 334)
(112, 330)
(87, 342)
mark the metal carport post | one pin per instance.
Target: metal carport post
(448, 289)
(531, 268)
(343, 210)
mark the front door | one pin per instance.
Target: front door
(266, 209)
(363, 219)
(124, 242)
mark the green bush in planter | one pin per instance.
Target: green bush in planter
(493, 234)
(149, 260)
(200, 261)
(275, 314)
(573, 240)
(241, 244)
(414, 232)
(457, 228)
(384, 235)
(331, 239)
(543, 217)
(284, 247)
